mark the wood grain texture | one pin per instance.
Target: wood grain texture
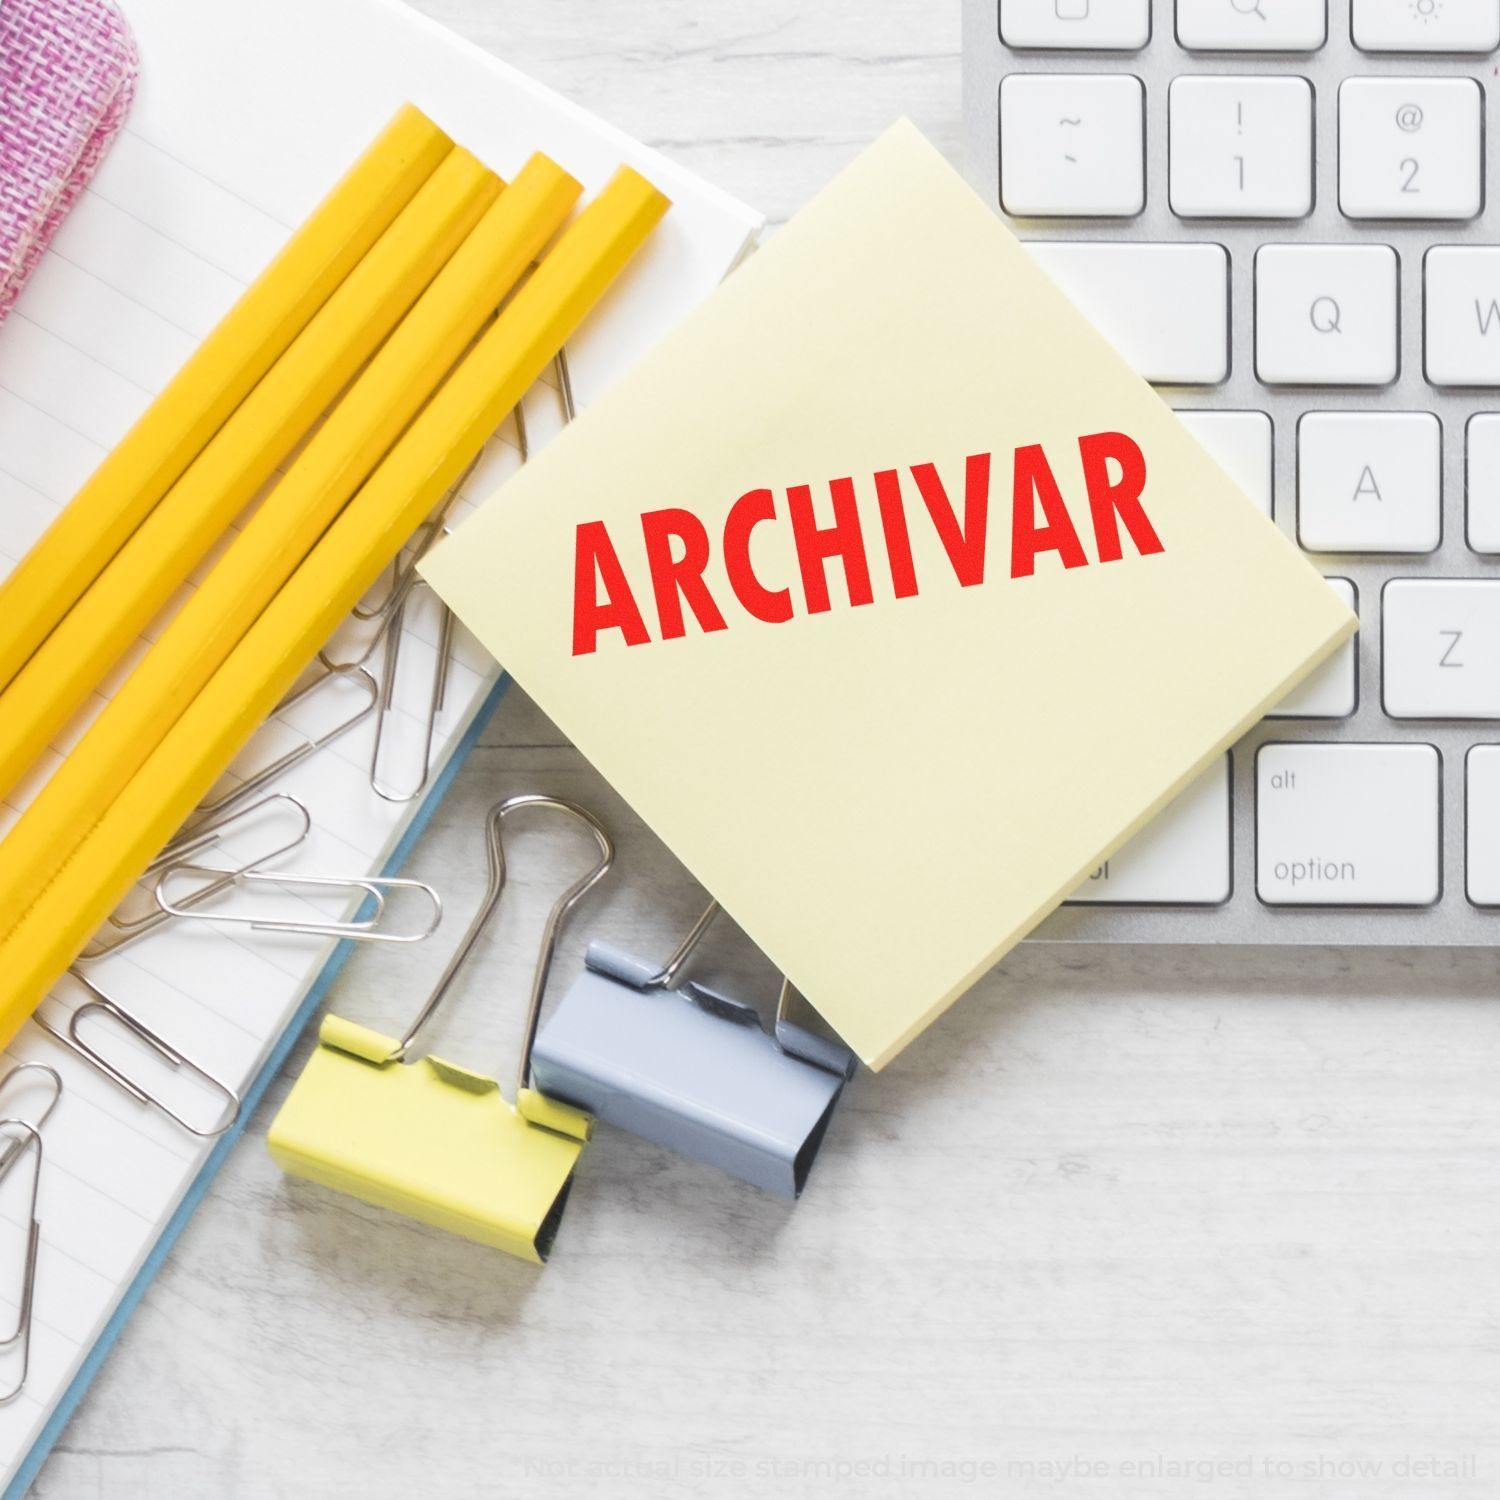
(1149, 1208)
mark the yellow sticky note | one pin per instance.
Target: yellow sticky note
(888, 595)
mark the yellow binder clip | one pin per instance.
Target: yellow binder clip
(433, 1140)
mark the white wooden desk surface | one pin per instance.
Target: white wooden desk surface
(1150, 1209)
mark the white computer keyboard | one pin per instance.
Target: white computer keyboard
(1280, 212)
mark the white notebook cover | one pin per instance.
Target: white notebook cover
(244, 117)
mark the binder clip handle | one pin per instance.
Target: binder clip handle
(495, 852)
(666, 977)
(799, 1040)
(792, 1031)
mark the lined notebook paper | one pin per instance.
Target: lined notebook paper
(245, 115)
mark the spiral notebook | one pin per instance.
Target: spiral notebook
(244, 115)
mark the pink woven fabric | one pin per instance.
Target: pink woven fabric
(67, 75)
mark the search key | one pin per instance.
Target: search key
(1096, 25)
(1252, 25)
(1326, 314)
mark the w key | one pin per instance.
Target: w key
(1462, 284)
(1441, 648)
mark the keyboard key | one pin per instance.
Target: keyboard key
(1107, 25)
(1482, 824)
(1164, 307)
(1347, 825)
(1483, 471)
(1240, 443)
(1440, 643)
(1331, 692)
(1411, 148)
(1252, 25)
(1326, 314)
(1369, 481)
(1072, 144)
(1241, 148)
(1463, 315)
(1427, 25)
(1182, 857)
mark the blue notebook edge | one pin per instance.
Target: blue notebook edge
(63, 1411)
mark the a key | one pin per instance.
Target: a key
(1411, 148)
(1369, 481)
(1347, 825)
(1332, 691)
(1240, 443)
(1164, 307)
(1426, 25)
(1440, 646)
(1326, 314)
(1072, 144)
(1482, 466)
(1105, 25)
(1251, 25)
(1482, 824)
(1182, 856)
(1241, 148)
(1463, 314)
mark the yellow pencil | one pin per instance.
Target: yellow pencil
(266, 426)
(60, 917)
(340, 456)
(278, 305)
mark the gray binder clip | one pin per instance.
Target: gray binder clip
(691, 1068)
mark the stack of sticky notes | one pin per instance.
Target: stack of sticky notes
(889, 596)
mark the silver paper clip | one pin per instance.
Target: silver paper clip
(101, 1004)
(311, 744)
(403, 577)
(565, 385)
(565, 394)
(23, 1136)
(691, 1068)
(125, 929)
(364, 927)
(436, 696)
(393, 618)
(391, 614)
(390, 620)
(12, 1148)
